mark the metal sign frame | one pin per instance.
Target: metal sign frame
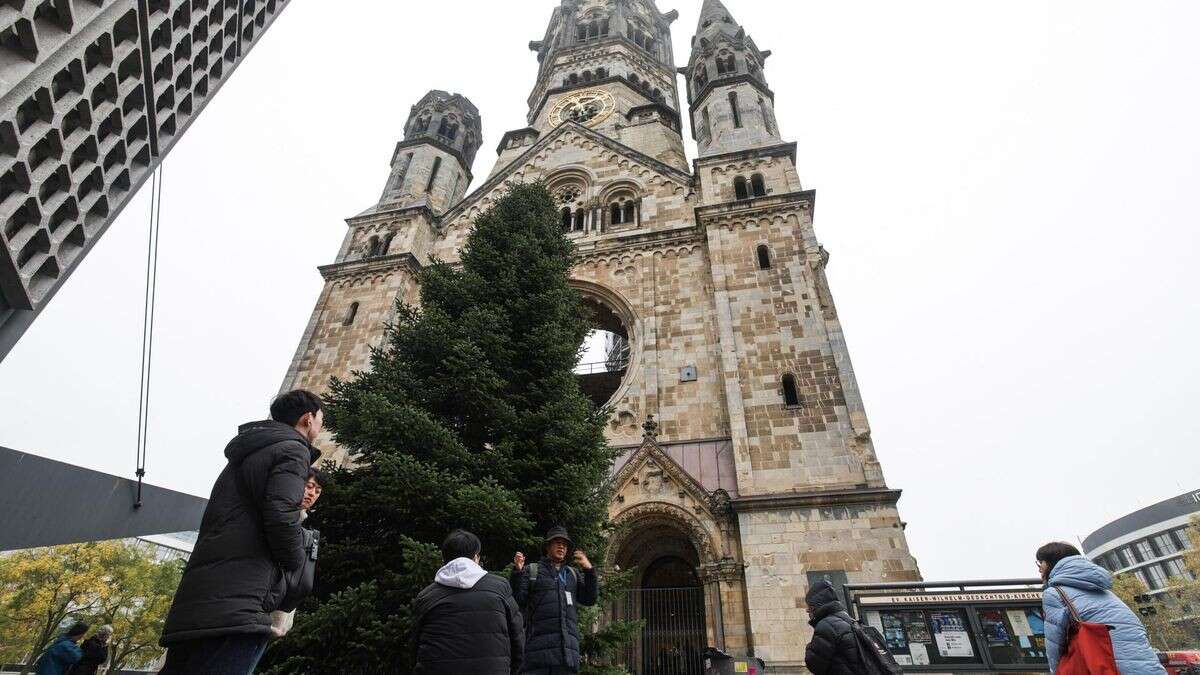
(969, 597)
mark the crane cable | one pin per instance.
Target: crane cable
(143, 426)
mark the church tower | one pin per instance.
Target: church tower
(747, 469)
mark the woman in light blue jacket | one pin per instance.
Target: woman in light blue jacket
(1089, 588)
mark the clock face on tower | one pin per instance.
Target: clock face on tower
(588, 108)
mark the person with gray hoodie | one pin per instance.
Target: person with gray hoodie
(466, 621)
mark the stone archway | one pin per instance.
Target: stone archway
(667, 593)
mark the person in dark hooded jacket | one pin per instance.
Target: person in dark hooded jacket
(550, 599)
(466, 621)
(220, 622)
(834, 647)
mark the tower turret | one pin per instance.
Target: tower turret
(731, 106)
(432, 165)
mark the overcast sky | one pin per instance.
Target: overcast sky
(1008, 190)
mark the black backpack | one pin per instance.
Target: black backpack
(871, 651)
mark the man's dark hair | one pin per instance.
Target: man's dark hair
(290, 407)
(1055, 551)
(78, 629)
(318, 475)
(460, 544)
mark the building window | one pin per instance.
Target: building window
(448, 129)
(580, 220)
(733, 105)
(422, 123)
(1158, 578)
(1126, 558)
(706, 132)
(791, 397)
(725, 63)
(437, 165)
(1141, 576)
(386, 245)
(601, 73)
(616, 216)
(1114, 563)
(1184, 538)
(1176, 569)
(739, 188)
(566, 218)
(764, 257)
(352, 312)
(762, 105)
(373, 247)
(701, 77)
(1144, 550)
(1166, 545)
(757, 186)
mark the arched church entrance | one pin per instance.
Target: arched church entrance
(667, 596)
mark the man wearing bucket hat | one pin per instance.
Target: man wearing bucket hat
(549, 593)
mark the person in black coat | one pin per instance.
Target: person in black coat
(466, 621)
(550, 600)
(834, 647)
(219, 622)
(95, 652)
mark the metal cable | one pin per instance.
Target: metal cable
(148, 313)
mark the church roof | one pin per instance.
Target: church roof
(545, 141)
(714, 11)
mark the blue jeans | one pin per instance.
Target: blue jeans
(228, 655)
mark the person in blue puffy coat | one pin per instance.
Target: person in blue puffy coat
(63, 653)
(1089, 588)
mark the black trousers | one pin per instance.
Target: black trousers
(228, 655)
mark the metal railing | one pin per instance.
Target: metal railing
(674, 637)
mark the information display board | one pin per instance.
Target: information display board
(999, 631)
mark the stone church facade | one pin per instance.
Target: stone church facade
(748, 468)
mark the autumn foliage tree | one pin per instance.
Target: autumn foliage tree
(112, 582)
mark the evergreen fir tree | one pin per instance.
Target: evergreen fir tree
(470, 417)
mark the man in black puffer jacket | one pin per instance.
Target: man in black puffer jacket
(220, 620)
(834, 648)
(466, 621)
(549, 593)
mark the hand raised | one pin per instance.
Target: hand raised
(519, 561)
(581, 559)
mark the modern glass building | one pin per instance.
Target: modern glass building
(1149, 542)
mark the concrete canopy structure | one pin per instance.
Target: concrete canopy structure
(47, 503)
(93, 94)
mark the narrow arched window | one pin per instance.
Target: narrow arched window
(587, 76)
(725, 64)
(764, 257)
(630, 212)
(580, 218)
(437, 165)
(616, 217)
(707, 133)
(739, 188)
(791, 397)
(757, 187)
(762, 105)
(351, 312)
(372, 247)
(566, 218)
(601, 73)
(657, 94)
(633, 78)
(574, 78)
(387, 244)
(733, 105)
